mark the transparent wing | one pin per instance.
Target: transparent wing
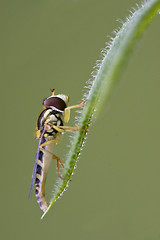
(35, 165)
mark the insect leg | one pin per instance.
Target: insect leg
(48, 142)
(67, 110)
(58, 162)
(53, 156)
(66, 128)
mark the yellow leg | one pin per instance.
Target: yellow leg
(53, 156)
(56, 141)
(58, 162)
(66, 128)
(67, 111)
(47, 143)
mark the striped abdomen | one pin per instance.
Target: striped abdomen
(44, 160)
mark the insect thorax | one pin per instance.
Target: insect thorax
(49, 118)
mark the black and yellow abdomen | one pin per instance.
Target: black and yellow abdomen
(44, 161)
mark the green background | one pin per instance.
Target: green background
(115, 192)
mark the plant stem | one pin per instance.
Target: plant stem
(115, 56)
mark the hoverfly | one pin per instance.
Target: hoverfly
(49, 129)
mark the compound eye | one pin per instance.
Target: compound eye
(55, 102)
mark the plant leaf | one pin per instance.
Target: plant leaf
(108, 70)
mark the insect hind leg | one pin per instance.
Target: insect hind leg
(58, 163)
(53, 157)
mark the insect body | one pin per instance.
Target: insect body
(49, 128)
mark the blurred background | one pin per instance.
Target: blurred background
(115, 190)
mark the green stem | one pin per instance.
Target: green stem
(107, 74)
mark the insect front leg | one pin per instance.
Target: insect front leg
(67, 110)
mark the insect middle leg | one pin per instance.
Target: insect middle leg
(66, 128)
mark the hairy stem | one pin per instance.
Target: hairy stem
(108, 70)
